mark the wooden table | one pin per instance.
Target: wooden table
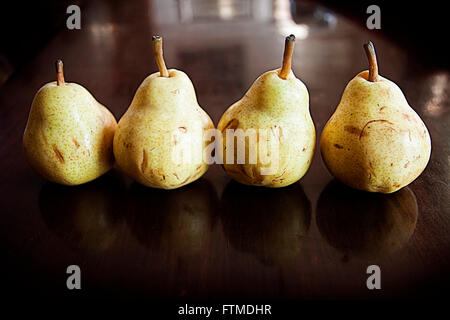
(214, 239)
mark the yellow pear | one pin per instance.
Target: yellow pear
(375, 141)
(68, 137)
(274, 114)
(159, 140)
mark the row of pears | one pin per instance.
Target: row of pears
(374, 140)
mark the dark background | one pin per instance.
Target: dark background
(44, 230)
(419, 28)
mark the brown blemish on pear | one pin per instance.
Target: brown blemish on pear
(144, 162)
(371, 121)
(279, 102)
(58, 153)
(77, 144)
(232, 124)
(354, 130)
(62, 115)
(386, 159)
(163, 114)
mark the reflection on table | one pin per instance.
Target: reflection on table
(269, 223)
(366, 224)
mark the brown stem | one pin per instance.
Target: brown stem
(287, 57)
(158, 50)
(373, 65)
(59, 72)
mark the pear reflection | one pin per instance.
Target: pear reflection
(269, 223)
(365, 224)
(86, 216)
(177, 222)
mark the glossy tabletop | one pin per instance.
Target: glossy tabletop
(214, 238)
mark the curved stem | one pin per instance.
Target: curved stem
(373, 65)
(158, 51)
(59, 73)
(287, 57)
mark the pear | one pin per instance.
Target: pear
(375, 141)
(274, 114)
(68, 137)
(159, 140)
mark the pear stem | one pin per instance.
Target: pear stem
(373, 65)
(287, 57)
(59, 73)
(158, 51)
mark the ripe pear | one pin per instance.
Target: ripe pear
(375, 141)
(159, 140)
(68, 137)
(276, 107)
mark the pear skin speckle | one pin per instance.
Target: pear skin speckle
(68, 137)
(281, 107)
(385, 144)
(163, 119)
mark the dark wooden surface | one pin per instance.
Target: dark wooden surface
(215, 239)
